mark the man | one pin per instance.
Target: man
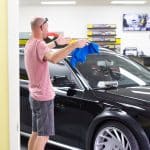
(37, 55)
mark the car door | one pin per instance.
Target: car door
(25, 111)
(67, 108)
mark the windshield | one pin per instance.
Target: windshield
(113, 67)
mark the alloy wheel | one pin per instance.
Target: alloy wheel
(111, 138)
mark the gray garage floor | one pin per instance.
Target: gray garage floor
(24, 141)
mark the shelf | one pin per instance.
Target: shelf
(101, 39)
(22, 42)
(109, 46)
(102, 33)
(101, 26)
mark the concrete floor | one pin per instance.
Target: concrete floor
(24, 141)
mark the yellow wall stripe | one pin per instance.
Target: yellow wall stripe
(4, 126)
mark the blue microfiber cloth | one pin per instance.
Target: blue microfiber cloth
(80, 54)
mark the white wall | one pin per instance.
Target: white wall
(13, 69)
(72, 20)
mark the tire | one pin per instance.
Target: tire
(114, 136)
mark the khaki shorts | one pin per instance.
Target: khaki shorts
(42, 117)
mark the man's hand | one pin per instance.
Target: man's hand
(81, 43)
(62, 40)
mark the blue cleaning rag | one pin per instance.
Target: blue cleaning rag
(80, 54)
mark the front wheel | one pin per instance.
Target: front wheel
(114, 136)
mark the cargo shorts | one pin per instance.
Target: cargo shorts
(42, 117)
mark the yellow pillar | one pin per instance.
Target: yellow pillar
(4, 129)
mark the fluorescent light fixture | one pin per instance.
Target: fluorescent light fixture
(128, 2)
(58, 2)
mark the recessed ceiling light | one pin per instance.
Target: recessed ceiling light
(128, 2)
(58, 2)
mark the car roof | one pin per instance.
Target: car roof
(103, 50)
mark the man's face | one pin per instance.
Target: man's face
(44, 29)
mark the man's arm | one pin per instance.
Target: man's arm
(60, 41)
(51, 45)
(56, 56)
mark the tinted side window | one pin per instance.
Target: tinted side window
(62, 76)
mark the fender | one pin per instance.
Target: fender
(122, 117)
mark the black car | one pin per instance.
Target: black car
(102, 104)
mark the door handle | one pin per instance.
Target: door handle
(59, 105)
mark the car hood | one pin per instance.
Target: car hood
(139, 93)
(139, 96)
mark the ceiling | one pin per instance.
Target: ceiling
(79, 2)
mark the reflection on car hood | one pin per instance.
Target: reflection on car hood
(140, 93)
(131, 97)
(139, 96)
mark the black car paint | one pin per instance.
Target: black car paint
(78, 117)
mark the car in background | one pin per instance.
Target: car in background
(102, 104)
